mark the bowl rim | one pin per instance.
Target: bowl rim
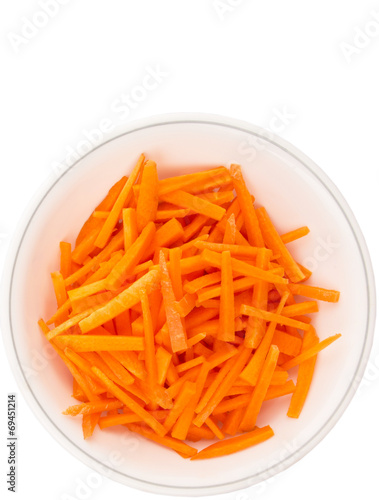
(6, 292)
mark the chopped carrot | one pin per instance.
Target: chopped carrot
(129, 221)
(147, 203)
(226, 325)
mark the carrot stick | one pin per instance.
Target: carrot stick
(304, 376)
(93, 407)
(309, 353)
(288, 344)
(85, 343)
(121, 201)
(198, 205)
(104, 269)
(240, 251)
(275, 243)
(253, 408)
(163, 358)
(165, 236)
(129, 219)
(234, 444)
(167, 441)
(117, 368)
(65, 259)
(175, 255)
(147, 203)
(131, 258)
(238, 266)
(230, 231)
(214, 428)
(226, 325)
(176, 330)
(256, 327)
(190, 364)
(125, 300)
(195, 181)
(150, 356)
(269, 316)
(130, 361)
(186, 392)
(294, 235)
(195, 226)
(314, 292)
(239, 285)
(202, 282)
(177, 213)
(300, 308)
(246, 203)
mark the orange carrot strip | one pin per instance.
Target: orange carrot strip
(85, 343)
(175, 254)
(239, 251)
(150, 356)
(288, 344)
(238, 266)
(239, 285)
(130, 361)
(121, 201)
(256, 327)
(125, 300)
(198, 205)
(246, 203)
(202, 282)
(117, 368)
(309, 353)
(195, 181)
(226, 325)
(294, 235)
(129, 219)
(169, 442)
(300, 308)
(176, 330)
(163, 358)
(198, 222)
(314, 292)
(254, 407)
(104, 269)
(186, 305)
(177, 213)
(277, 391)
(66, 325)
(234, 444)
(230, 231)
(214, 428)
(129, 402)
(115, 244)
(274, 242)
(226, 384)
(98, 214)
(65, 259)
(86, 290)
(93, 407)
(165, 236)
(147, 203)
(304, 376)
(190, 364)
(269, 316)
(131, 258)
(59, 288)
(186, 393)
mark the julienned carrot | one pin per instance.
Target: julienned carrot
(176, 330)
(198, 205)
(85, 343)
(256, 327)
(131, 257)
(251, 414)
(147, 203)
(304, 376)
(93, 407)
(169, 306)
(129, 222)
(129, 402)
(275, 243)
(246, 204)
(309, 353)
(234, 444)
(239, 266)
(226, 326)
(125, 300)
(122, 199)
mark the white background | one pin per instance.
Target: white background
(309, 62)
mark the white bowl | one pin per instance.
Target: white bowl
(295, 192)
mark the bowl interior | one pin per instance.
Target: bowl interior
(294, 196)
